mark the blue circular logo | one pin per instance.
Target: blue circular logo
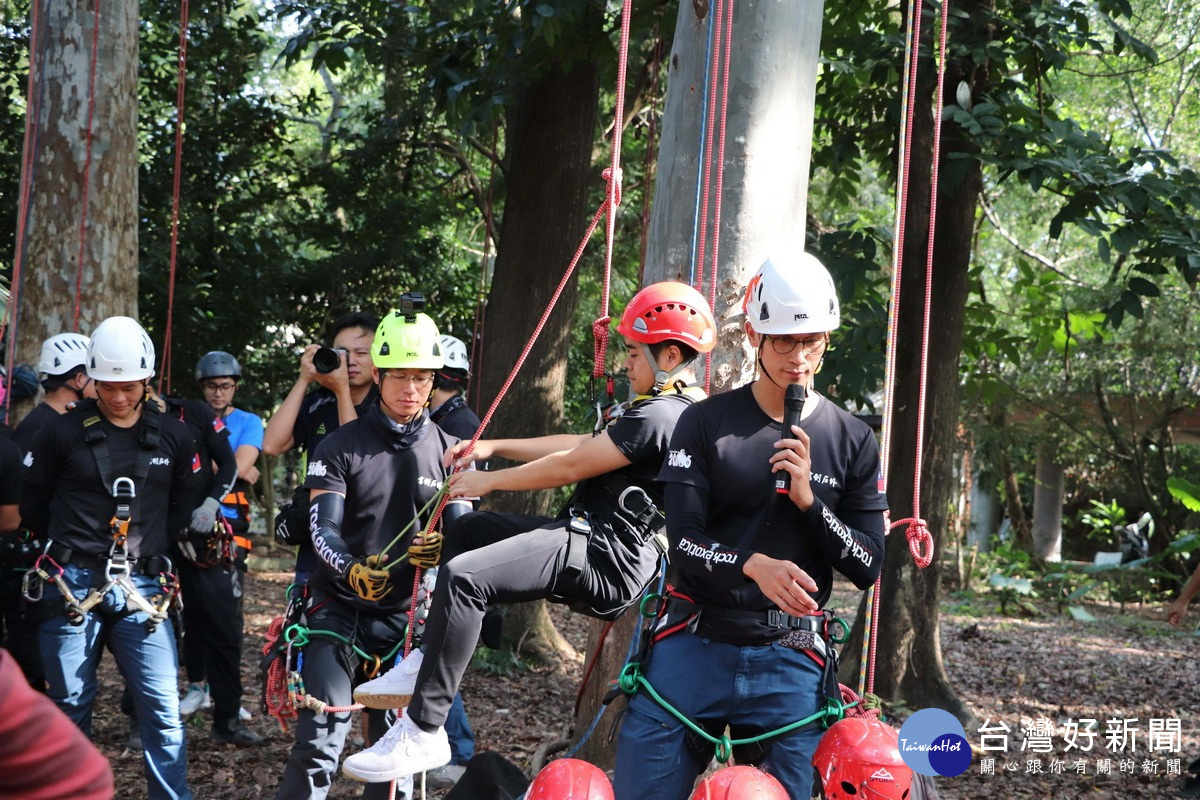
(933, 742)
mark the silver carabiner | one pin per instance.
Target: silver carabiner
(121, 482)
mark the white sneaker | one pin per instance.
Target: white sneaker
(394, 688)
(244, 715)
(196, 698)
(404, 750)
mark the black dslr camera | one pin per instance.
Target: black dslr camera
(327, 359)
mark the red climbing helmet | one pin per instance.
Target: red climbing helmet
(570, 779)
(669, 310)
(858, 758)
(740, 783)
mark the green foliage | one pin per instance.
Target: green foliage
(1185, 492)
(1101, 521)
(497, 662)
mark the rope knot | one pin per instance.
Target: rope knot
(600, 344)
(614, 185)
(920, 543)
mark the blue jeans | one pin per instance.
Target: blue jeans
(148, 661)
(765, 687)
(459, 732)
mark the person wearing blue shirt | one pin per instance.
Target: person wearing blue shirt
(212, 645)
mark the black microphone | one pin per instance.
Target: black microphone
(793, 407)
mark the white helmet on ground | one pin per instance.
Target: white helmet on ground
(63, 352)
(792, 293)
(120, 351)
(455, 353)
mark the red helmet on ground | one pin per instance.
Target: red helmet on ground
(740, 783)
(670, 310)
(570, 779)
(858, 758)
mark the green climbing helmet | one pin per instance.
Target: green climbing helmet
(411, 342)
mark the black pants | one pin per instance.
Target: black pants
(18, 631)
(212, 634)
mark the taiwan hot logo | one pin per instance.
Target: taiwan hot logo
(933, 742)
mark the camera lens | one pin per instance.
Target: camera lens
(326, 360)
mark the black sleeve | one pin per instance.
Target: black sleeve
(221, 453)
(325, 515)
(692, 550)
(185, 483)
(852, 543)
(39, 478)
(10, 473)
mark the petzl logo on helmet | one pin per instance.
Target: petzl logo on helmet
(933, 742)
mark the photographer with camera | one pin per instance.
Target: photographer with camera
(344, 392)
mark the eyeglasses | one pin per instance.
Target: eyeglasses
(419, 381)
(227, 386)
(810, 345)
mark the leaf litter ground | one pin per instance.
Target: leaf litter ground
(1015, 671)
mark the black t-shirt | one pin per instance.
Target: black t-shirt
(64, 496)
(386, 479)
(10, 472)
(626, 561)
(643, 434)
(723, 447)
(318, 417)
(31, 426)
(210, 437)
(456, 418)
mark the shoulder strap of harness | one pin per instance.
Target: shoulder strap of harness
(149, 438)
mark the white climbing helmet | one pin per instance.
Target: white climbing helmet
(62, 352)
(455, 353)
(120, 351)
(792, 293)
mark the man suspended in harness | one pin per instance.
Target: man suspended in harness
(107, 485)
(757, 524)
(369, 480)
(597, 554)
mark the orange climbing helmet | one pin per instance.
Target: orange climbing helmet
(570, 779)
(740, 783)
(670, 310)
(858, 758)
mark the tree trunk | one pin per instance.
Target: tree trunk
(768, 144)
(909, 663)
(768, 134)
(551, 136)
(1047, 506)
(59, 274)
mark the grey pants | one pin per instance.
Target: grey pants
(330, 673)
(489, 558)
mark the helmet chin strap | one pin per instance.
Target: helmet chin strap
(661, 376)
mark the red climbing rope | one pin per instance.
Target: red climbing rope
(612, 197)
(920, 542)
(164, 376)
